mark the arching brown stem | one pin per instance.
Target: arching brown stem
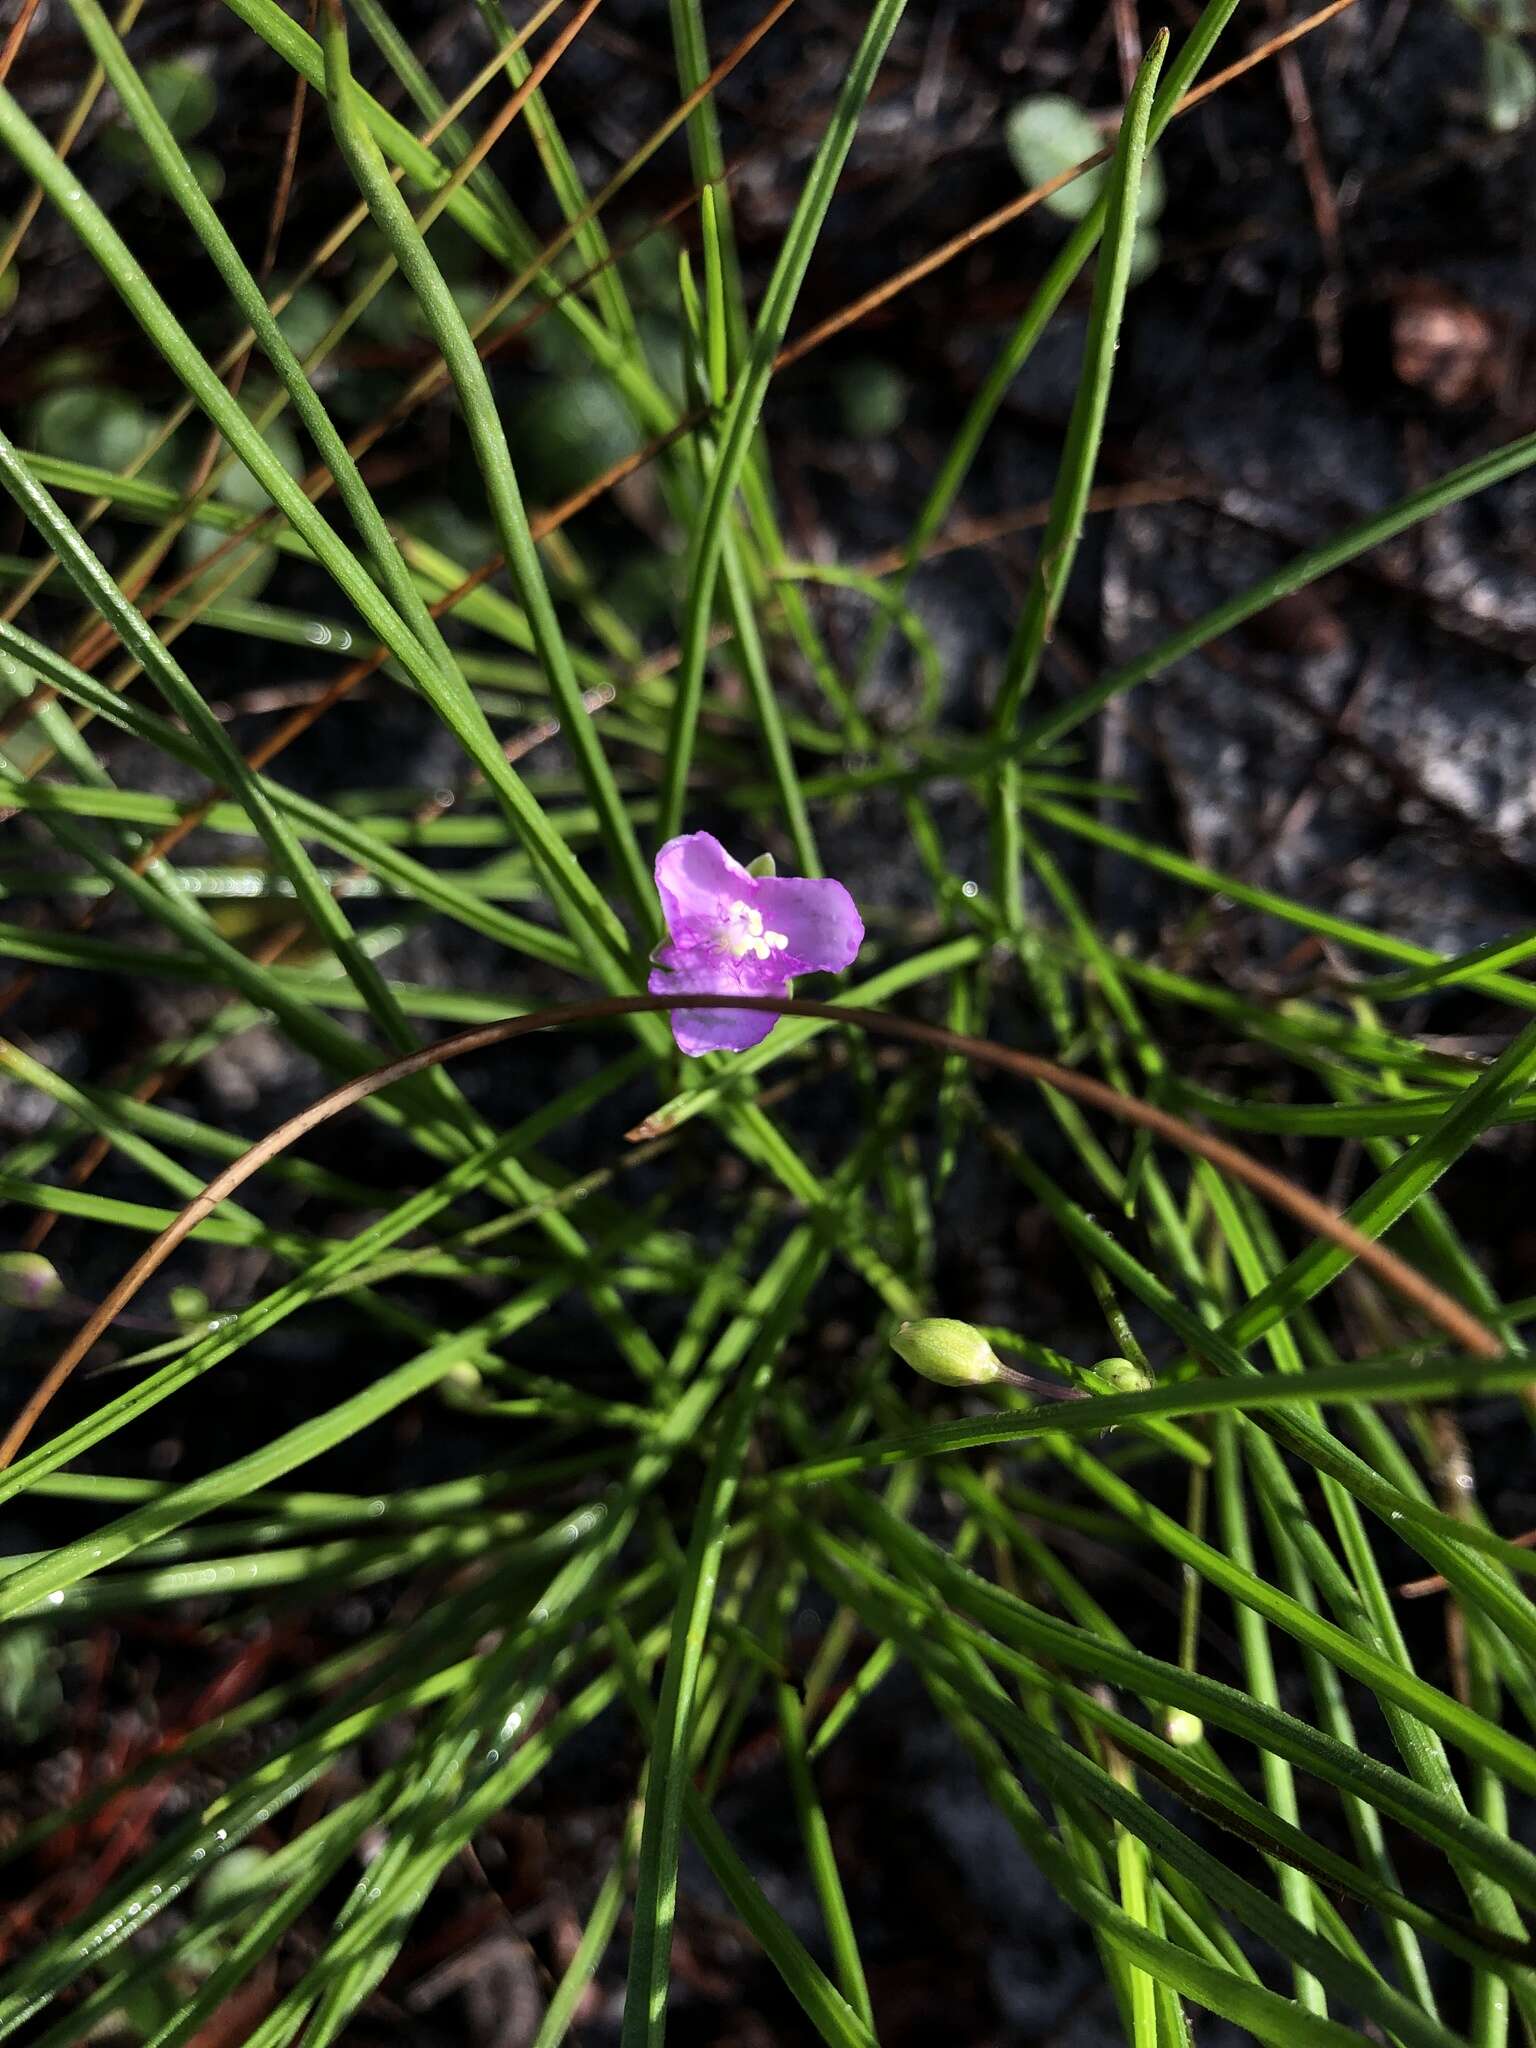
(1402, 1278)
(1416, 1589)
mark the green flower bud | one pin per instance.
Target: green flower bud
(190, 1307)
(949, 1352)
(764, 867)
(1183, 1730)
(1124, 1376)
(28, 1280)
(463, 1381)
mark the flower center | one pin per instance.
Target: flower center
(742, 933)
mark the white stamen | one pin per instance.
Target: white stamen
(743, 933)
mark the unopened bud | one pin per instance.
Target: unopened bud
(28, 1280)
(1123, 1375)
(1183, 1730)
(949, 1352)
(463, 1381)
(190, 1307)
(764, 868)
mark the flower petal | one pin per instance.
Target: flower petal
(698, 881)
(731, 930)
(699, 1031)
(817, 917)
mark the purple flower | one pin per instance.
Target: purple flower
(732, 932)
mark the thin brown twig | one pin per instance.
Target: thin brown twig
(984, 533)
(1456, 1484)
(836, 323)
(94, 643)
(1457, 1322)
(317, 482)
(1418, 1589)
(310, 268)
(99, 637)
(21, 222)
(1004, 216)
(287, 169)
(793, 352)
(304, 719)
(936, 259)
(557, 516)
(17, 37)
(436, 376)
(1323, 201)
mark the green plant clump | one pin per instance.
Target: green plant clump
(453, 1442)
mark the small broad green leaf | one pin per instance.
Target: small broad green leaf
(450, 529)
(233, 1887)
(149, 2007)
(572, 430)
(186, 99)
(1509, 84)
(190, 1306)
(1048, 134)
(184, 95)
(650, 266)
(200, 541)
(1146, 252)
(234, 1876)
(471, 295)
(307, 318)
(872, 398)
(66, 366)
(31, 1697)
(91, 424)
(207, 170)
(239, 487)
